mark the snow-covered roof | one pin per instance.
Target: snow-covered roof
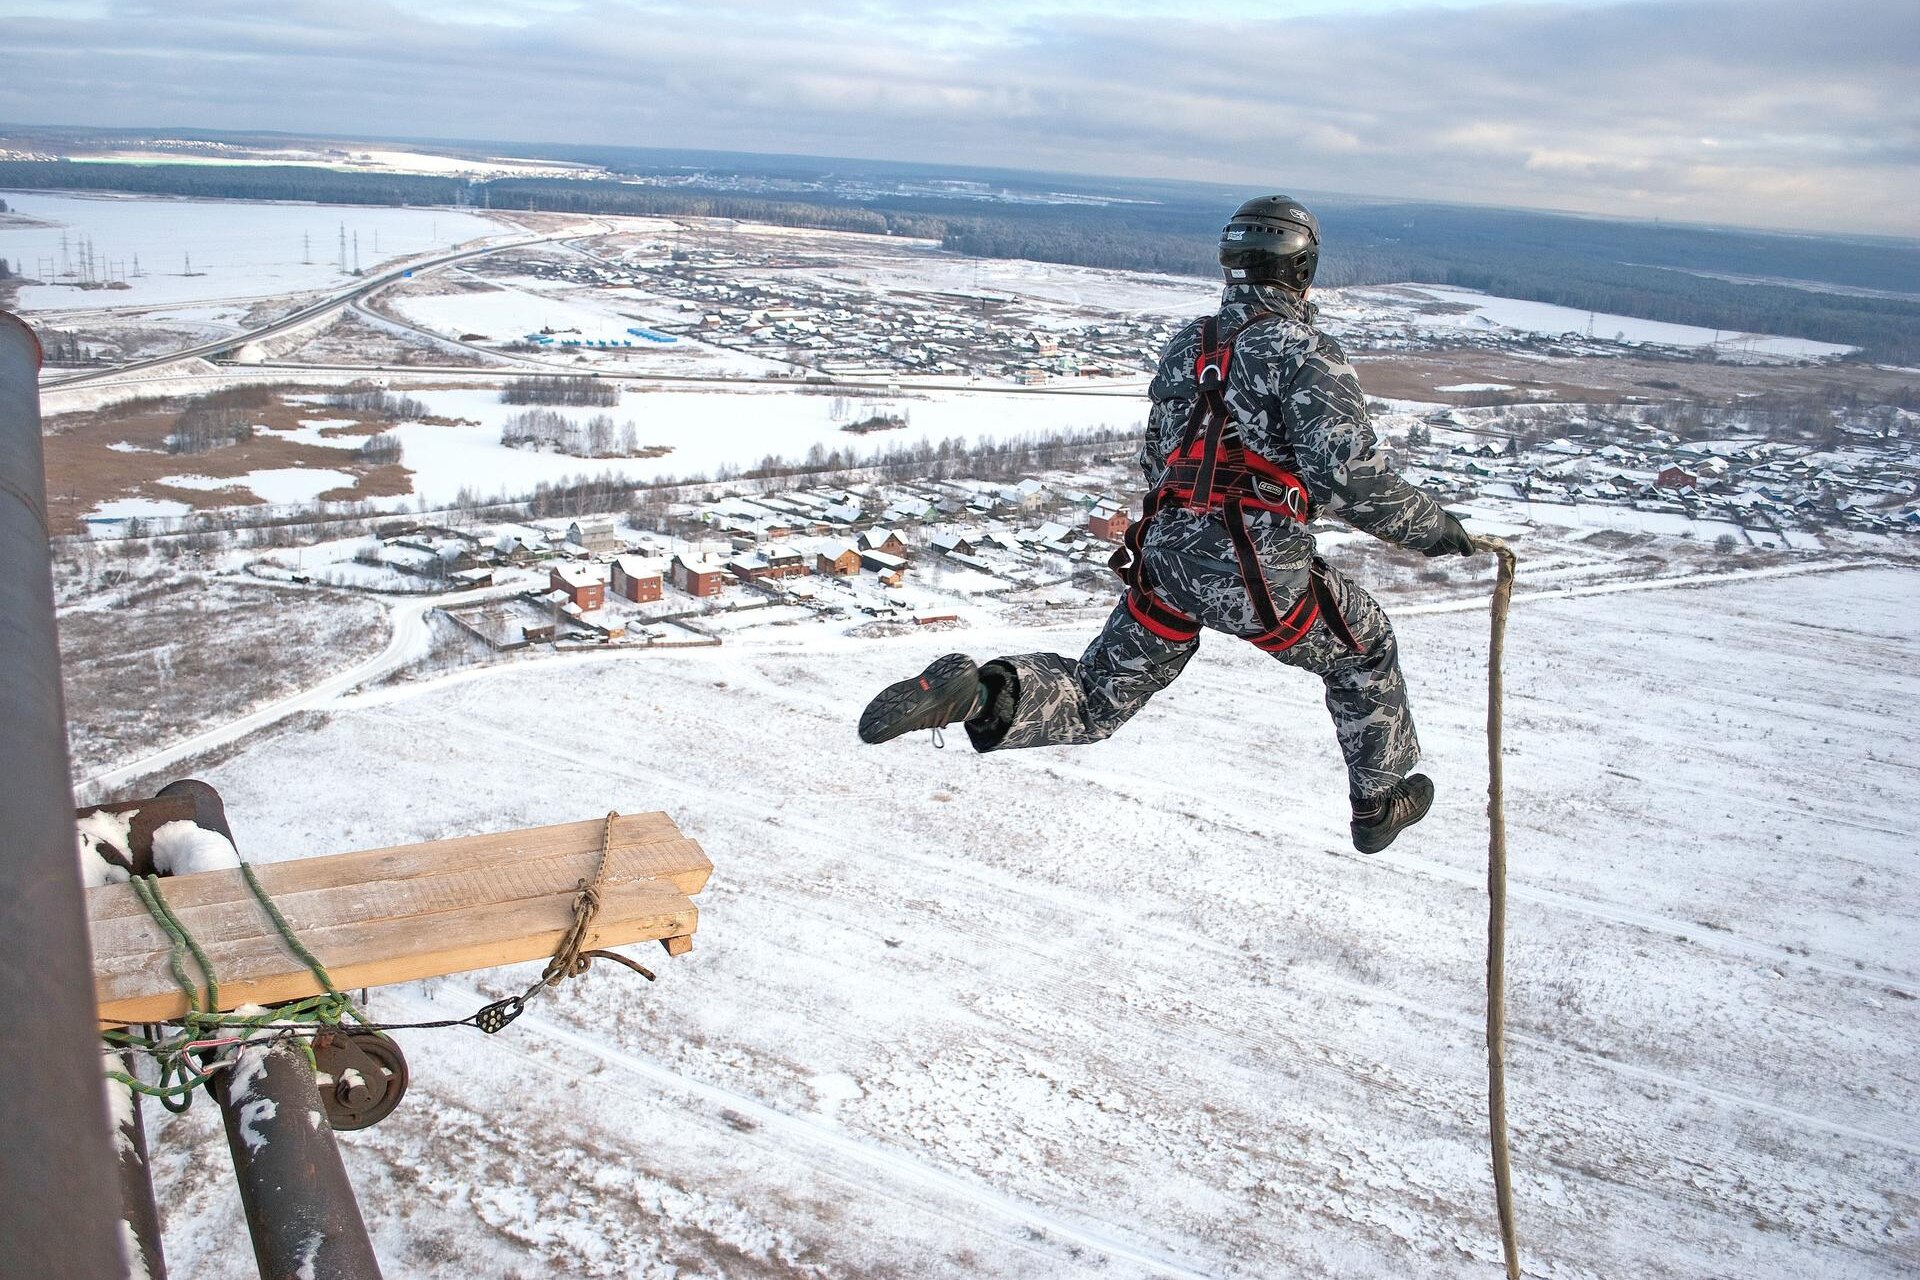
(580, 575)
(638, 566)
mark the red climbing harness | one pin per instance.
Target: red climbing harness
(1213, 470)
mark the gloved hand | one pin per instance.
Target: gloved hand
(1454, 540)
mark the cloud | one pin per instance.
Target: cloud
(1597, 107)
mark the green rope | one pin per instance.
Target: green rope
(292, 941)
(203, 1020)
(183, 943)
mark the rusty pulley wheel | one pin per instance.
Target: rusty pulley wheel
(362, 1076)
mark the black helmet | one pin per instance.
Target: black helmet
(1271, 240)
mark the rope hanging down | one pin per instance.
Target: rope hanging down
(1497, 910)
(204, 1027)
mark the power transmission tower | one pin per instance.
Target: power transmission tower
(306, 248)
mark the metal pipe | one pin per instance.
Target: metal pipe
(56, 1158)
(300, 1205)
(139, 1213)
(209, 810)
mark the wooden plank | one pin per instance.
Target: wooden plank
(394, 915)
(652, 836)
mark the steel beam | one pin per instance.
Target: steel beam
(300, 1205)
(57, 1194)
(139, 1214)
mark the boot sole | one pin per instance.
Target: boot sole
(910, 705)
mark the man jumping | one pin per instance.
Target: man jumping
(1258, 424)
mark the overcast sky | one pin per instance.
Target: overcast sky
(1783, 113)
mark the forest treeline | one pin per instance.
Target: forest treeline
(1651, 270)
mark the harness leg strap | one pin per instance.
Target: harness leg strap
(1277, 634)
(1330, 605)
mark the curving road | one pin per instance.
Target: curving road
(314, 310)
(408, 643)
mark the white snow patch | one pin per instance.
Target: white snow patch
(140, 508)
(111, 832)
(180, 848)
(1488, 310)
(279, 485)
(131, 1255)
(833, 1088)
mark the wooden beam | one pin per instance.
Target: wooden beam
(393, 915)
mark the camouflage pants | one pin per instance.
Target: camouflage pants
(1045, 699)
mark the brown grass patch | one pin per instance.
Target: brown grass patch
(83, 468)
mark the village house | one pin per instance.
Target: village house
(595, 534)
(784, 562)
(1109, 522)
(882, 539)
(952, 544)
(836, 560)
(468, 579)
(636, 578)
(699, 576)
(882, 563)
(581, 584)
(747, 567)
(1674, 478)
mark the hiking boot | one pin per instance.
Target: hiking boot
(1376, 822)
(948, 690)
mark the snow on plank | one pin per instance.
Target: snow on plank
(381, 916)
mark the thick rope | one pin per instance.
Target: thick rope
(1497, 910)
(569, 960)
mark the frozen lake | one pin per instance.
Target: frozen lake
(237, 249)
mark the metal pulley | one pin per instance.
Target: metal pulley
(362, 1076)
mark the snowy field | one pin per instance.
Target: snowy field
(503, 315)
(1130, 292)
(709, 429)
(1488, 311)
(238, 250)
(1085, 1013)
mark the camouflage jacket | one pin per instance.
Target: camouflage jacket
(1298, 404)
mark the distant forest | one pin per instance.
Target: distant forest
(1653, 270)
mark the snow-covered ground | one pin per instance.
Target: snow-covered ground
(279, 485)
(1486, 310)
(1132, 292)
(708, 429)
(237, 249)
(1135, 1009)
(501, 315)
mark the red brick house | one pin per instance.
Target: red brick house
(1109, 522)
(636, 578)
(837, 561)
(1674, 478)
(784, 562)
(581, 583)
(700, 577)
